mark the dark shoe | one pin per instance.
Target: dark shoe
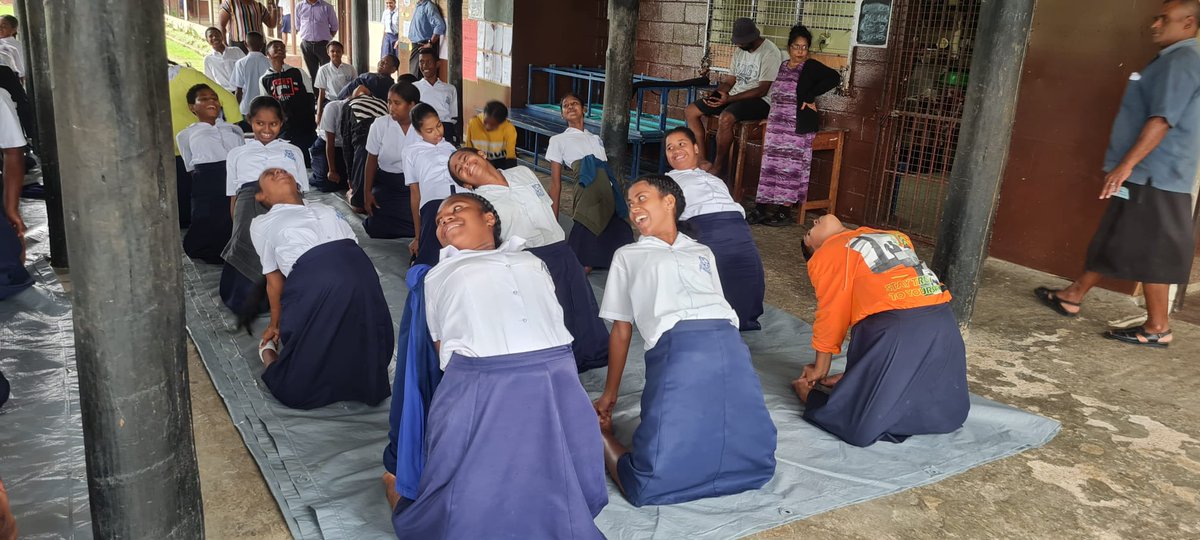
(1138, 335)
(757, 214)
(1051, 300)
(779, 218)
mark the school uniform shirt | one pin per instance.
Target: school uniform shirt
(18, 54)
(499, 143)
(428, 165)
(219, 66)
(391, 21)
(704, 194)
(8, 57)
(331, 121)
(862, 272)
(247, 74)
(490, 303)
(287, 231)
(525, 208)
(654, 285)
(333, 79)
(752, 68)
(11, 134)
(387, 140)
(441, 96)
(573, 145)
(208, 143)
(245, 163)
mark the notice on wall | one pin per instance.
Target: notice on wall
(470, 44)
(493, 60)
(873, 23)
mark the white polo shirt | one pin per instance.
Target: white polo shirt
(525, 208)
(247, 75)
(332, 79)
(219, 66)
(573, 145)
(489, 303)
(18, 54)
(655, 285)
(12, 135)
(704, 194)
(208, 143)
(428, 165)
(245, 163)
(331, 121)
(387, 140)
(8, 57)
(441, 96)
(288, 231)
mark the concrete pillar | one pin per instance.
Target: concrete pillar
(454, 30)
(119, 192)
(360, 36)
(982, 154)
(618, 82)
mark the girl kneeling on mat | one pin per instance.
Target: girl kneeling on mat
(527, 212)
(330, 338)
(705, 430)
(906, 367)
(428, 179)
(719, 223)
(385, 197)
(513, 450)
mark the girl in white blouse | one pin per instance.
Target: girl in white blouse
(428, 180)
(204, 147)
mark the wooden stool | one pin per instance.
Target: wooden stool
(745, 134)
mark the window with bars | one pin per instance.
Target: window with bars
(830, 21)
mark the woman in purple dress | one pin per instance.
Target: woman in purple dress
(787, 144)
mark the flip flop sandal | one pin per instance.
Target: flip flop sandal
(1050, 299)
(1139, 336)
(268, 346)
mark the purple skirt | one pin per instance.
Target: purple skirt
(597, 251)
(513, 450)
(335, 331)
(581, 313)
(738, 263)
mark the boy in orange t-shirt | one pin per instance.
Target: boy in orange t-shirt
(906, 363)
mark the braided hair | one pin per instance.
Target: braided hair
(666, 186)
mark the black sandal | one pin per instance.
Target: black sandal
(1138, 335)
(1050, 299)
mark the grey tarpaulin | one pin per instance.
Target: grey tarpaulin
(41, 434)
(323, 466)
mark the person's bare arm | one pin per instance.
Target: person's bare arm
(275, 282)
(555, 185)
(14, 177)
(414, 203)
(331, 157)
(223, 21)
(618, 351)
(238, 94)
(320, 104)
(270, 15)
(1153, 132)
(369, 182)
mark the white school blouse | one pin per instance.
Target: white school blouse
(573, 145)
(387, 140)
(489, 303)
(18, 54)
(12, 135)
(441, 96)
(333, 79)
(428, 165)
(245, 163)
(219, 66)
(331, 121)
(655, 285)
(202, 142)
(287, 231)
(704, 193)
(525, 208)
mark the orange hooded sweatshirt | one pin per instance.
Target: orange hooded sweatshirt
(862, 272)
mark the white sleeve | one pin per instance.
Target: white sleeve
(322, 76)
(331, 117)
(208, 67)
(715, 275)
(185, 149)
(375, 137)
(306, 79)
(259, 236)
(554, 151)
(231, 178)
(299, 170)
(453, 101)
(412, 173)
(617, 304)
(769, 67)
(433, 318)
(238, 77)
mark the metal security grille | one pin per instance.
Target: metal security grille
(929, 61)
(830, 21)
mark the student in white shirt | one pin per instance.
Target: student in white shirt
(428, 179)
(219, 64)
(241, 279)
(385, 197)
(328, 157)
(330, 337)
(527, 211)
(719, 223)
(8, 40)
(204, 147)
(705, 430)
(599, 211)
(442, 96)
(13, 276)
(510, 399)
(332, 76)
(248, 71)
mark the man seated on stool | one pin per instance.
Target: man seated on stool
(754, 66)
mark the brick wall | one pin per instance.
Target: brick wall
(670, 43)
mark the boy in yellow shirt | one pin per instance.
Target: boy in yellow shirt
(492, 133)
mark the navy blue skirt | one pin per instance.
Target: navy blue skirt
(14, 278)
(513, 450)
(212, 223)
(319, 179)
(429, 247)
(597, 251)
(183, 190)
(906, 374)
(358, 166)
(393, 218)
(335, 331)
(705, 428)
(238, 291)
(738, 263)
(581, 313)
(4, 390)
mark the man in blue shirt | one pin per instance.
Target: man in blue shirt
(426, 30)
(1147, 233)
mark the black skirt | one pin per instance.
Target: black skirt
(1147, 238)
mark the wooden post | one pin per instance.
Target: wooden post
(360, 36)
(982, 154)
(127, 287)
(618, 82)
(454, 30)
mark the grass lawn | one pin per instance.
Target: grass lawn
(183, 55)
(6, 9)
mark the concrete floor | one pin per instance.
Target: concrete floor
(1126, 465)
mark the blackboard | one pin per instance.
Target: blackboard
(874, 21)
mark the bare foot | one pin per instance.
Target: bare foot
(606, 425)
(389, 490)
(832, 380)
(802, 389)
(268, 357)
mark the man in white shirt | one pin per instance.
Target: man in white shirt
(440, 95)
(248, 72)
(219, 64)
(754, 67)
